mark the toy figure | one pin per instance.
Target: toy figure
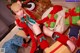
(26, 20)
(18, 40)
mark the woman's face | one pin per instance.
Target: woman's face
(19, 12)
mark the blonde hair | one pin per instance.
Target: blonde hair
(15, 7)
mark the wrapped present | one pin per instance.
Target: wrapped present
(57, 47)
(72, 16)
(52, 14)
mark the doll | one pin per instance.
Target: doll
(26, 20)
(18, 40)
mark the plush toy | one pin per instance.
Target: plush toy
(18, 40)
(26, 20)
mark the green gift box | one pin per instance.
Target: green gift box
(74, 18)
(67, 21)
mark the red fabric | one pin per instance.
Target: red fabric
(27, 30)
(56, 48)
(44, 44)
(25, 45)
(62, 38)
(56, 8)
(78, 42)
(23, 25)
(34, 46)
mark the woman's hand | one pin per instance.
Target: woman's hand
(71, 45)
(36, 29)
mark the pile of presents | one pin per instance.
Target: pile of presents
(62, 20)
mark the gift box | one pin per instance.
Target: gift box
(57, 47)
(72, 16)
(74, 20)
(53, 13)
